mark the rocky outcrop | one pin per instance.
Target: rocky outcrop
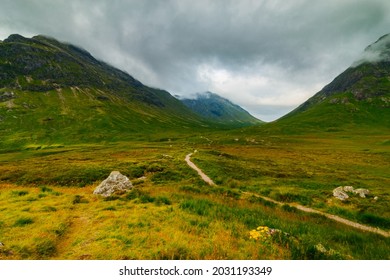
(5, 96)
(116, 183)
(341, 192)
(362, 192)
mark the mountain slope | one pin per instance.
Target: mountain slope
(216, 108)
(357, 98)
(52, 92)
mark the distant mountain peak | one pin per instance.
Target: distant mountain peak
(214, 107)
(376, 52)
(207, 95)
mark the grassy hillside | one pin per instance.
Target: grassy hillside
(54, 93)
(356, 101)
(84, 115)
(339, 113)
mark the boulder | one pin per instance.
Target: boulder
(349, 189)
(340, 193)
(362, 192)
(115, 183)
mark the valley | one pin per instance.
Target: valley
(68, 120)
(49, 211)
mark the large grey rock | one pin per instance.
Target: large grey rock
(362, 192)
(349, 189)
(340, 193)
(115, 183)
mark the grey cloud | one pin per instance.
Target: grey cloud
(376, 52)
(168, 44)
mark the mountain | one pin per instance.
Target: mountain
(359, 98)
(54, 92)
(216, 108)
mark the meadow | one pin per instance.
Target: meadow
(48, 211)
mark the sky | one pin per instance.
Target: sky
(266, 56)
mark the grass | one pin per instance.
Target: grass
(21, 222)
(172, 214)
(60, 137)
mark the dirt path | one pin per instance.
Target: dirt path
(329, 216)
(200, 172)
(298, 206)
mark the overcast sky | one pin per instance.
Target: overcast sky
(266, 56)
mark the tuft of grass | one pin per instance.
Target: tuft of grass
(375, 220)
(289, 208)
(162, 200)
(46, 189)
(21, 222)
(79, 199)
(45, 248)
(49, 209)
(19, 193)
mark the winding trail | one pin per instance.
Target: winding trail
(329, 216)
(197, 169)
(298, 206)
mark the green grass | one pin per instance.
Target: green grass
(62, 134)
(21, 222)
(172, 214)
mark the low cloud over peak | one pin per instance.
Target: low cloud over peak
(376, 52)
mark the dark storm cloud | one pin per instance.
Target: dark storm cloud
(264, 53)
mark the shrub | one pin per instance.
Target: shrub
(201, 207)
(145, 198)
(111, 198)
(46, 189)
(142, 196)
(166, 176)
(19, 193)
(49, 209)
(23, 222)
(79, 199)
(375, 220)
(137, 171)
(162, 200)
(154, 167)
(292, 197)
(256, 199)
(289, 208)
(45, 248)
(193, 189)
(232, 183)
(62, 228)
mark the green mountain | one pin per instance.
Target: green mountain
(216, 108)
(53, 92)
(359, 98)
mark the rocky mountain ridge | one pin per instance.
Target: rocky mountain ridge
(214, 107)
